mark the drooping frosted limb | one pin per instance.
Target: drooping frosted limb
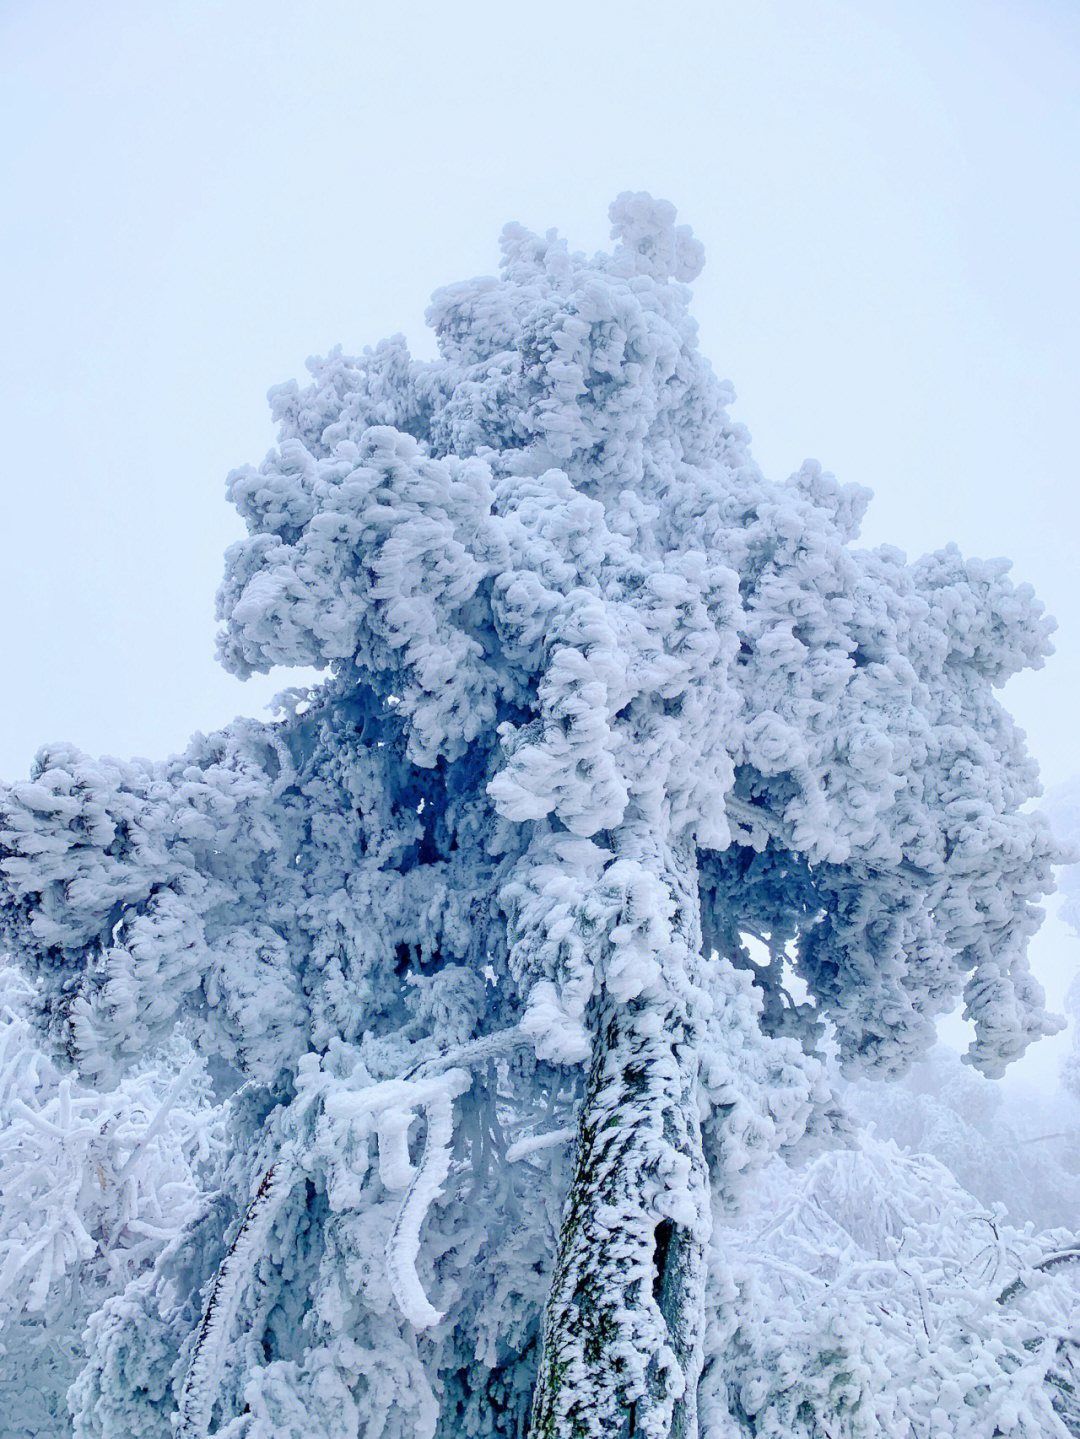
(537, 1143)
(623, 1326)
(425, 1188)
(199, 1392)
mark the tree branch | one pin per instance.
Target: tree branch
(1051, 1261)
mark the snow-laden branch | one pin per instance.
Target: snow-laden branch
(1043, 1266)
(425, 1188)
(476, 1051)
(761, 823)
(208, 1357)
(392, 1106)
(536, 1143)
(158, 1122)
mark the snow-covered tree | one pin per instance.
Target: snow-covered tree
(462, 934)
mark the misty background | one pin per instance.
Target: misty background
(198, 196)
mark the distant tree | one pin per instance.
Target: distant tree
(463, 935)
(1015, 1154)
(1063, 804)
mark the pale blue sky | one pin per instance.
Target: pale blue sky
(198, 196)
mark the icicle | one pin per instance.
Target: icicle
(395, 1168)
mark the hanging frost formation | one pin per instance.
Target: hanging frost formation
(460, 936)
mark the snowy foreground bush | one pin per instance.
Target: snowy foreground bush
(394, 1068)
(868, 1294)
(93, 1184)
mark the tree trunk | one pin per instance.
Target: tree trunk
(623, 1326)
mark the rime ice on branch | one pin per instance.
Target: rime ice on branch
(600, 701)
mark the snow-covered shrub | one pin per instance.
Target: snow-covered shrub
(867, 1295)
(93, 1185)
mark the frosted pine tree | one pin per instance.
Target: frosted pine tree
(462, 936)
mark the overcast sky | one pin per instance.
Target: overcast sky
(199, 196)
